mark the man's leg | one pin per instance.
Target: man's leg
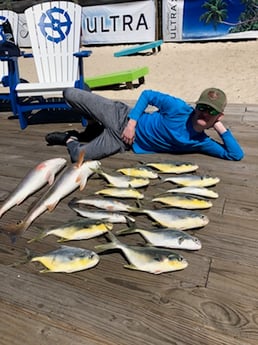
(106, 144)
(111, 114)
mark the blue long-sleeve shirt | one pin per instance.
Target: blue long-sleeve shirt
(169, 129)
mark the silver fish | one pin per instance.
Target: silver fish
(186, 201)
(148, 259)
(143, 172)
(123, 181)
(34, 180)
(201, 191)
(104, 204)
(79, 229)
(67, 259)
(174, 167)
(130, 193)
(72, 178)
(193, 180)
(177, 219)
(165, 237)
(108, 216)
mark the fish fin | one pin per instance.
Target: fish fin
(129, 230)
(37, 238)
(80, 159)
(62, 240)
(82, 182)
(129, 220)
(131, 267)
(51, 207)
(45, 270)
(50, 178)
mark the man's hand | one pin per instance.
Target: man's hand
(219, 127)
(129, 132)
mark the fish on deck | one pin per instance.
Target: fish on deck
(143, 172)
(129, 193)
(34, 180)
(76, 176)
(165, 237)
(177, 219)
(199, 191)
(185, 201)
(121, 181)
(173, 167)
(148, 259)
(104, 204)
(108, 216)
(189, 180)
(79, 229)
(67, 259)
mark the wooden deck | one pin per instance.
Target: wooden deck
(213, 301)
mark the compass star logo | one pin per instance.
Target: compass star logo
(55, 24)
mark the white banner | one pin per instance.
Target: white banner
(172, 23)
(119, 23)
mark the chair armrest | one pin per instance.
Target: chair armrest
(84, 53)
(26, 55)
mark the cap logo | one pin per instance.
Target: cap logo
(213, 95)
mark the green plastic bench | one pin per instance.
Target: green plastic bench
(123, 77)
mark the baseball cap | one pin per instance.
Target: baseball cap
(213, 97)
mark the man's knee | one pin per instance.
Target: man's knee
(67, 93)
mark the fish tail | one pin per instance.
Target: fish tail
(130, 230)
(37, 238)
(108, 246)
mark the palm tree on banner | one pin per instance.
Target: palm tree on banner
(216, 12)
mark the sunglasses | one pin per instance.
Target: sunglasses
(208, 109)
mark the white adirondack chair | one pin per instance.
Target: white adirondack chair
(55, 31)
(13, 20)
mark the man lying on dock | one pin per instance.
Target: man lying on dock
(174, 127)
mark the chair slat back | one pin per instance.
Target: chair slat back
(13, 20)
(55, 32)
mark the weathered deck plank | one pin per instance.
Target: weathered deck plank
(213, 301)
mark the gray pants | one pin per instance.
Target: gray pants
(111, 114)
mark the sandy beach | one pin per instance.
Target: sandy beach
(181, 69)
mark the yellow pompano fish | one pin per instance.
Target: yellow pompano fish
(189, 180)
(165, 237)
(67, 259)
(34, 180)
(143, 172)
(177, 219)
(82, 229)
(186, 201)
(174, 167)
(148, 259)
(121, 193)
(123, 181)
(201, 191)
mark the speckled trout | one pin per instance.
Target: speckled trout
(74, 177)
(34, 180)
